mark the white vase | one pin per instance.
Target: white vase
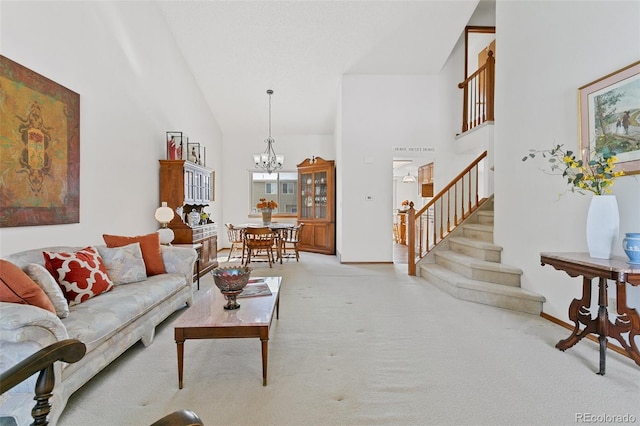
(603, 226)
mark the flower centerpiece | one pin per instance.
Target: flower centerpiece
(266, 207)
(263, 204)
(597, 176)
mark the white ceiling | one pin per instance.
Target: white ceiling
(301, 49)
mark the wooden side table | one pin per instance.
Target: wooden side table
(627, 319)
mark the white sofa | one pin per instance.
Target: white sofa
(107, 324)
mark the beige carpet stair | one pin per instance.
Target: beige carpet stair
(469, 267)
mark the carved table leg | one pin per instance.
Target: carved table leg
(603, 323)
(579, 313)
(627, 320)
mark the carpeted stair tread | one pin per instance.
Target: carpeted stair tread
(458, 280)
(472, 242)
(474, 263)
(479, 227)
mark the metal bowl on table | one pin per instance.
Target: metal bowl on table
(231, 281)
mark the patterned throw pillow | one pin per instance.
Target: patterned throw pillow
(124, 264)
(17, 287)
(81, 274)
(48, 284)
(150, 246)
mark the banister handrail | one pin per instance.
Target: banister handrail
(425, 232)
(478, 95)
(450, 184)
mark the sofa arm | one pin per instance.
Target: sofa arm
(26, 323)
(179, 260)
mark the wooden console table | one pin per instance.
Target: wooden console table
(626, 319)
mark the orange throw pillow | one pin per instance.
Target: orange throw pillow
(150, 246)
(17, 287)
(80, 274)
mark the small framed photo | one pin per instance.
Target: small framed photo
(610, 117)
(193, 153)
(176, 142)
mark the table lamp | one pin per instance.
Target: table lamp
(164, 215)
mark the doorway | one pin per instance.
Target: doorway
(406, 188)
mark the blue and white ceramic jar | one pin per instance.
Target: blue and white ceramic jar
(631, 246)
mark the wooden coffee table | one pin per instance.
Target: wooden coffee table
(207, 319)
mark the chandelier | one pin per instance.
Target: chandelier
(268, 160)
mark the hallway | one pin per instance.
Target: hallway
(400, 254)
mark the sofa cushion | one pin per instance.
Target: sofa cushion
(48, 284)
(150, 245)
(100, 318)
(17, 287)
(81, 274)
(124, 264)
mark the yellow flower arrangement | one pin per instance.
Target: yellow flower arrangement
(264, 204)
(596, 175)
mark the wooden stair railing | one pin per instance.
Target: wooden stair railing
(428, 226)
(478, 95)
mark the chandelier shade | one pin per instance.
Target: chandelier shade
(408, 178)
(269, 160)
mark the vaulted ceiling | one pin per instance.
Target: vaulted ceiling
(237, 50)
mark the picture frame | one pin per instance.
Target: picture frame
(609, 114)
(176, 142)
(40, 133)
(193, 153)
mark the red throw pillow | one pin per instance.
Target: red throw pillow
(150, 246)
(17, 287)
(81, 274)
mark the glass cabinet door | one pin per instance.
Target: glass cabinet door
(306, 195)
(320, 195)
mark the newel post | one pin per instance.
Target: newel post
(411, 239)
(489, 87)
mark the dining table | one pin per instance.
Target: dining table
(276, 227)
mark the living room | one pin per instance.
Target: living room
(134, 85)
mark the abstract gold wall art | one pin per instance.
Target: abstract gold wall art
(39, 149)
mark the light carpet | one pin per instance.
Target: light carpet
(366, 344)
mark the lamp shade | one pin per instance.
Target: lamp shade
(164, 214)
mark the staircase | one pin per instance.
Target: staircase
(467, 265)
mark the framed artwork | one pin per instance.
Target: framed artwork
(40, 149)
(176, 141)
(610, 117)
(193, 153)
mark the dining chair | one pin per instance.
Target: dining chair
(236, 238)
(290, 240)
(259, 242)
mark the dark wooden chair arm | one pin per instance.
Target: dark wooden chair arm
(180, 418)
(69, 350)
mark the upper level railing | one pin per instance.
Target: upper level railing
(478, 95)
(432, 223)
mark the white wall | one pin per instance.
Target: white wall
(378, 113)
(546, 50)
(239, 149)
(133, 86)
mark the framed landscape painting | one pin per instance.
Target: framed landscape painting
(610, 117)
(39, 149)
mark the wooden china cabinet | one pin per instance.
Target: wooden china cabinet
(317, 206)
(191, 187)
